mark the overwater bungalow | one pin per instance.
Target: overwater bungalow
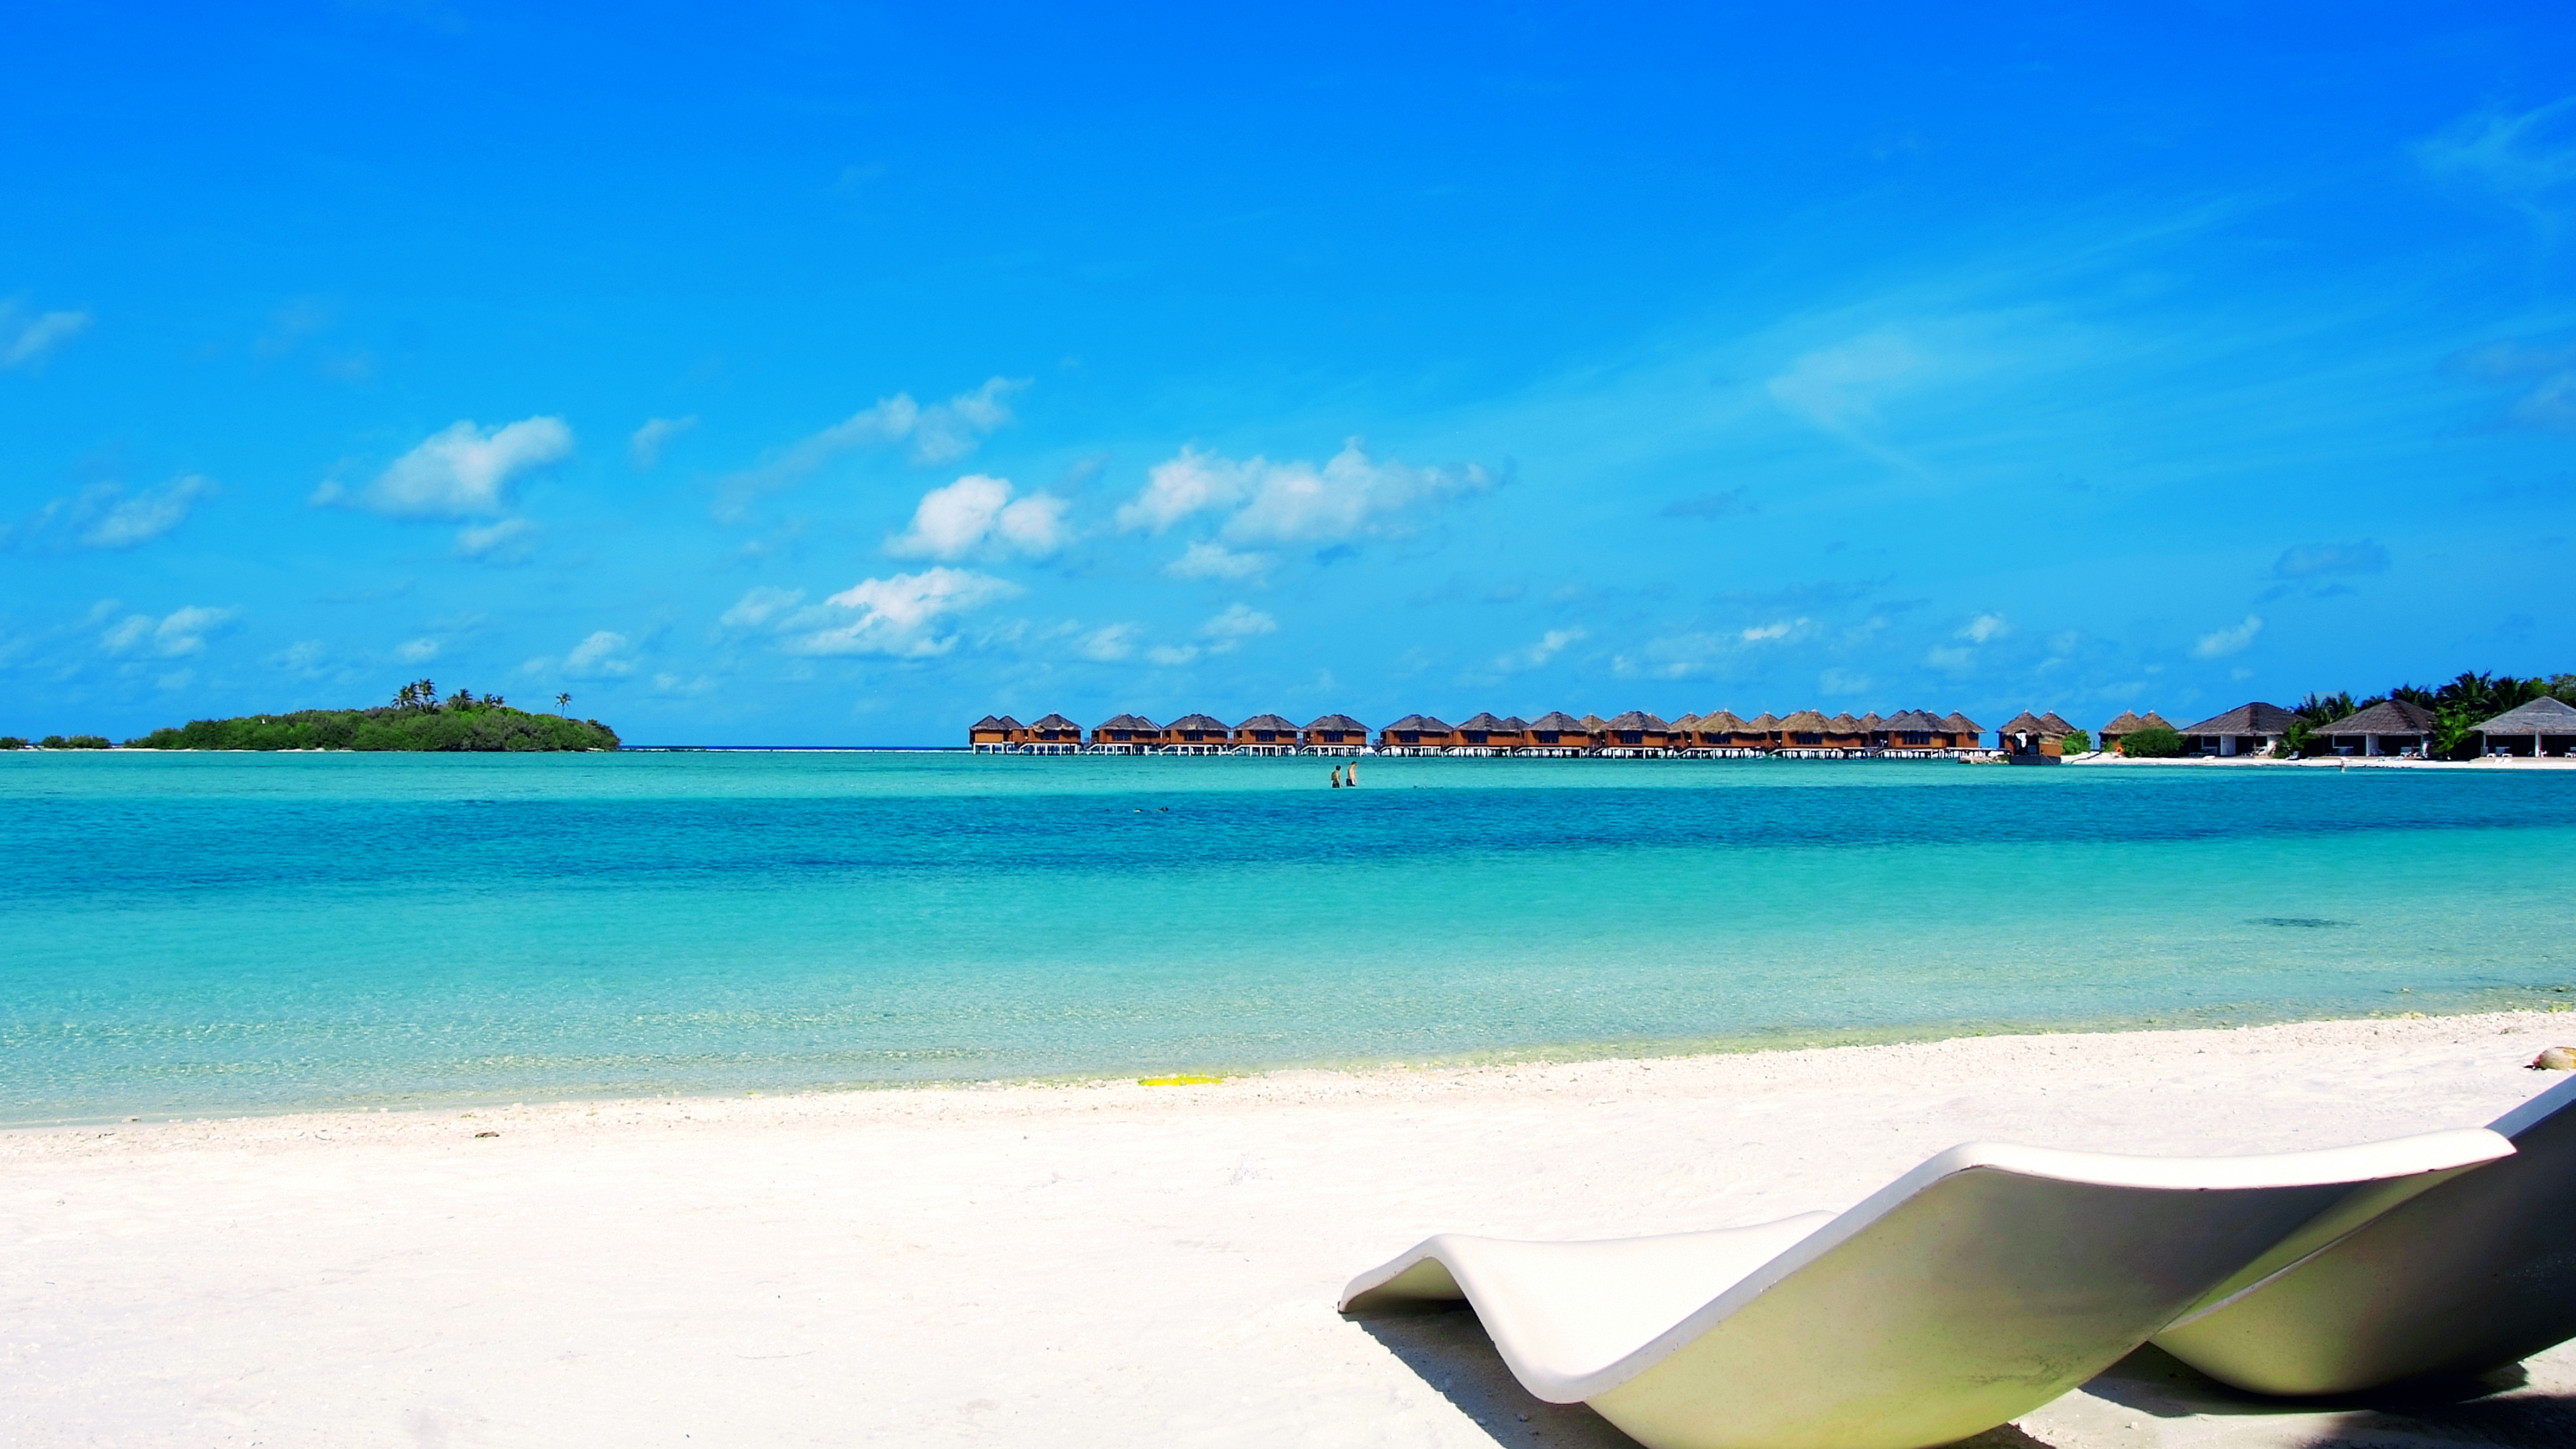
(1762, 732)
(1053, 734)
(2545, 726)
(1713, 731)
(1846, 734)
(1965, 733)
(1487, 733)
(1802, 735)
(1874, 729)
(2027, 736)
(2057, 724)
(1335, 734)
(995, 733)
(2248, 729)
(1266, 734)
(1557, 733)
(2129, 722)
(1417, 734)
(1912, 732)
(1197, 734)
(2390, 727)
(1638, 732)
(1125, 734)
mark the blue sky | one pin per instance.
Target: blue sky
(835, 375)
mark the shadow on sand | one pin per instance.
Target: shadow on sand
(2495, 1408)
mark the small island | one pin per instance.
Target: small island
(417, 720)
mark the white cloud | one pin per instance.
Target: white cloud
(1835, 387)
(462, 470)
(500, 542)
(1172, 654)
(2222, 642)
(1239, 622)
(896, 617)
(604, 654)
(1953, 661)
(304, 656)
(940, 433)
(416, 651)
(759, 605)
(1204, 560)
(22, 344)
(1984, 627)
(1839, 681)
(1772, 632)
(103, 515)
(976, 516)
(179, 633)
(1107, 645)
(2523, 159)
(644, 447)
(1549, 645)
(1290, 502)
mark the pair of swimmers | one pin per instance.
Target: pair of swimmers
(1353, 781)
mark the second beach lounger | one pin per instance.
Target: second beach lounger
(2469, 1276)
(1979, 1286)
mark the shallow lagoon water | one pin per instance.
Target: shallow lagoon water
(214, 934)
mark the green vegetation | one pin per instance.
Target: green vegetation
(2078, 743)
(12, 742)
(72, 742)
(2155, 742)
(417, 720)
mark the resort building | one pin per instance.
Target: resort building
(1874, 729)
(1054, 734)
(2248, 729)
(1913, 732)
(2390, 727)
(1965, 733)
(2027, 736)
(1266, 734)
(1197, 734)
(1846, 734)
(1558, 733)
(1802, 734)
(1335, 734)
(1416, 734)
(1637, 731)
(1125, 734)
(1486, 734)
(996, 732)
(2543, 727)
(1762, 732)
(2130, 722)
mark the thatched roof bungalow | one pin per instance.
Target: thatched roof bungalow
(2390, 727)
(2027, 735)
(1637, 729)
(1874, 727)
(1487, 731)
(1054, 729)
(1131, 732)
(1802, 730)
(1417, 732)
(2129, 722)
(1764, 731)
(1965, 733)
(2537, 727)
(1266, 732)
(1914, 729)
(994, 730)
(1197, 730)
(1336, 731)
(1843, 732)
(2248, 729)
(1557, 730)
(1718, 730)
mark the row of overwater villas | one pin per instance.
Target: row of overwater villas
(1915, 733)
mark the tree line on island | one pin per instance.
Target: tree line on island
(416, 720)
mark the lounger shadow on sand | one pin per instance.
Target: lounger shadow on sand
(1975, 1288)
(2466, 1277)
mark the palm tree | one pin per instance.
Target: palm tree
(563, 702)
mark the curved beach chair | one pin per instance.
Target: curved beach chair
(2470, 1276)
(1979, 1286)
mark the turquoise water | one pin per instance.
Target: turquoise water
(209, 934)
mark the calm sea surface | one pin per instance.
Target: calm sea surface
(208, 934)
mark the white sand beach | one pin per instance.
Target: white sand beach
(1105, 1264)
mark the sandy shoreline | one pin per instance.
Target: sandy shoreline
(1080, 1264)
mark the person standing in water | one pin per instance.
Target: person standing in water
(1354, 768)
(1337, 777)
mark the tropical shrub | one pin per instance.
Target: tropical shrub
(2078, 743)
(12, 742)
(2155, 742)
(417, 721)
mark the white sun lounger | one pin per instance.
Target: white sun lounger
(1977, 1287)
(2469, 1276)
